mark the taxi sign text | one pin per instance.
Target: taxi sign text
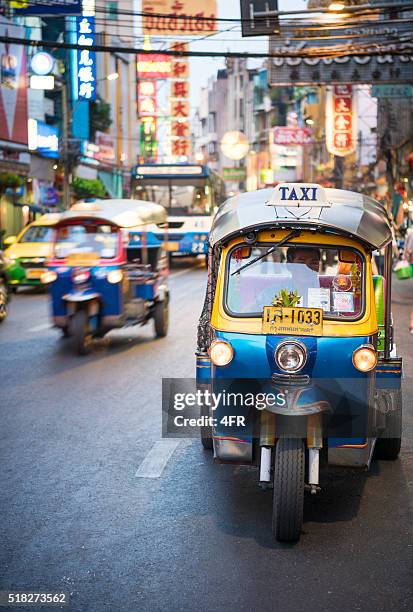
(299, 194)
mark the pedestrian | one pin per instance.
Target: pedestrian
(408, 256)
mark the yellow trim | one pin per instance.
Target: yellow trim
(366, 326)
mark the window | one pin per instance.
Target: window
(101, 240)
(37, 233)
(112, 10)
(327, 278)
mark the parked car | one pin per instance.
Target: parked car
(28, 251)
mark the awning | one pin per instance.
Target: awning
(112, 182)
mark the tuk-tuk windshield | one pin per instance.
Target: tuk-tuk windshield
(327, 278)
(101, 240)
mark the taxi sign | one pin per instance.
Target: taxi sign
(305, 195)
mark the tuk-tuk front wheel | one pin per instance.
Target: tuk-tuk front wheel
(161, 318)
(79, 330)
(289, 470)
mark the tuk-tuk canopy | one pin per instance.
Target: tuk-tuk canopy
(123, 213)
(306, 206)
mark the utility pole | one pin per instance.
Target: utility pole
(66, 158)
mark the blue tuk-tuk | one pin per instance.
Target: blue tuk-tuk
(100, 278)
(294, 317)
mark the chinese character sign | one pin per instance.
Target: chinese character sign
(147, 106)
(153, 66)
(341, 131)
(85, 58)
(179, 103)
(292, 136)
(182, 17)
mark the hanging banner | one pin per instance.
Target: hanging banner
(341, 117)
(13, 86)
(179, 17)
(85, 63)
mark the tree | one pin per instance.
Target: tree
(9, 180)
(88, 188)
(100, 116)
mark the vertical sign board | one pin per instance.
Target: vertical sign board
(13, 86)
(85, 60)
(180, 106)
(341, 120)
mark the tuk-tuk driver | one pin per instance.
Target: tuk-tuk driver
(305, 255)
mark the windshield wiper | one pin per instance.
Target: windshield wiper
(293, 234)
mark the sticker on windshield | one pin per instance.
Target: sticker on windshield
(343, 302)
(319, 298)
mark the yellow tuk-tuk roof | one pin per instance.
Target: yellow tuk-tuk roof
(306, 206)
(47, 219)
(123, 213)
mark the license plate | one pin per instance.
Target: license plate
(292, 321)
(171, 246)
(34, 273)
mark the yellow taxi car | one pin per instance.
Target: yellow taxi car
(28, 251)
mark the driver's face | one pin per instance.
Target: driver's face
(307, 257)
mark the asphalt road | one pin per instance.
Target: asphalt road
(76, 517)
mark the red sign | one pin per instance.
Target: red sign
(147, 106)
(340, 120)
(154, 66)
(180, 129)
(292, 136)
(181, 148)
(180, 108)
(180, 89)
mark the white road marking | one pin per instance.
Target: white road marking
(42, 327)
(155, 461)
(182, 272)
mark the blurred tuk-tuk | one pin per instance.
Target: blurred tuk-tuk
(97, 280)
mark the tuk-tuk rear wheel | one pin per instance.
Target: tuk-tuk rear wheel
(206, 431)
(289, 470)
(388, 446)
(161, 318)
(82, 338)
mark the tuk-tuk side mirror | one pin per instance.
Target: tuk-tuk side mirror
(242, 253)
(347, 256)
(9, 240)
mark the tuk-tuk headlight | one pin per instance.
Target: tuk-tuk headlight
(221, 353)
(291, 356)
(365, 358)
(48, 277)
(115, 276)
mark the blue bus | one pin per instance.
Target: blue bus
(191, 193)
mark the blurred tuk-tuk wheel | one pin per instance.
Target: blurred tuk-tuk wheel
(289, 468)
(82, 338)
(388, 446)
(206, 431)
(161, 318)
(4, 300)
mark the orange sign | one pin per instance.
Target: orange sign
(341, 118)
(181, 148)
(180, 129)
(179, 17)
(154, 66)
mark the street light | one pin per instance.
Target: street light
(111, 77)
(335, 7)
